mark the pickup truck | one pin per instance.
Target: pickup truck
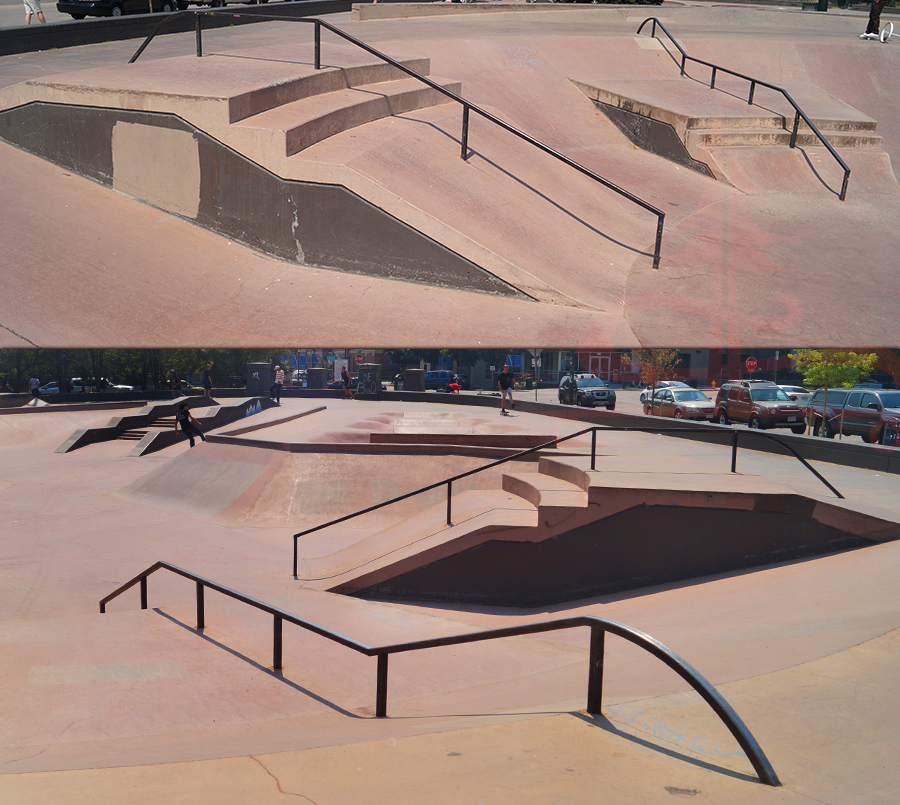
(871, 414)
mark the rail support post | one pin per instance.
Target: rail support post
(201, 613)
(595, 672)
(795, 129)
(381, 687)
(276, 642)
(317, 38)
(449, 495)
(464, 140)
(594, 449)
(734, 440)
(143, 592)
(712, 81)
(197, 34)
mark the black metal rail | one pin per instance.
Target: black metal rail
(754, 83)
(467, 106)
(598, 626)
(448, 482)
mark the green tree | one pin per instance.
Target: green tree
(831, 368)
(653, 364)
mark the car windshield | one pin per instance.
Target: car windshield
(690, 396)
(763, 395)
(890, 400)
(588, 382)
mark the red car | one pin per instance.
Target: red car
(681, 403)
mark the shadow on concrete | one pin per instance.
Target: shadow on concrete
(276, 674)
(603, 723)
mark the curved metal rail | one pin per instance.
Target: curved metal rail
(754, 82)
(467, 106)
(593, 431)
(598, 626)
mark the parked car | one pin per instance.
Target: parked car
(589, 392)
(873, 415)
(578, 376)
(438, 379)
(869, 384)
(662, 384)
(761, 404)
(797, 393)
(50, 388)
(79, 9)
(680, 404)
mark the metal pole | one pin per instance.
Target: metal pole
(464, 149)
(659, 233)
(796, 126)
(593, 449)
(201, 612)
(276, 641)
(295, 557)
(683, 58)
(734, 438)
(712, 83)
(144, 592)
(381, 687)
(449, 487)
(653, 29)
(844, 185)
(595, 670)
(318, 46)
(197, 34)
(752, 90)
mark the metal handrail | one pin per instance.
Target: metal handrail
(754, 82)
(593, 431)
(598, 626)
(467, 106)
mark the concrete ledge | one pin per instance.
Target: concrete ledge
(518, 441)
(85, 406)
(364, 12)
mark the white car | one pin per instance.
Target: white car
(662, 384)
(797, 394)
(50, 388)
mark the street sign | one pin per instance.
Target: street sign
(751, 364)
(358, 359)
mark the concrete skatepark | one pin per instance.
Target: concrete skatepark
(757, 249)
(137, 704)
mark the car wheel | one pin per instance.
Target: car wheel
(116, 11)
(754, 423)
(647, 410)
(78, 16)
(826, 430)
(611, 407)
(679, 415)
(798, 430)
(643, 397)
(722, 419)
(579, 401)
(168, 6)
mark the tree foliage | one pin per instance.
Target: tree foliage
(653, 364)
(834, 368)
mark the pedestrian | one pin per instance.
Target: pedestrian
(33, 7)
(345, 379)
(506, 382)
(35, 385)
(174, 380)
(874, 26)
(275, 391)
(207, 380)
(189, 426)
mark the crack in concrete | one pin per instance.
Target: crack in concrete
(19, 335)
(278, 783)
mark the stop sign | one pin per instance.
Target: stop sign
(751, 364)
(359, 359)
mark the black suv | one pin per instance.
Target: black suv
(759, 403)
(589, 392)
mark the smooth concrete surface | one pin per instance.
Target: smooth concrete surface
(137, 706)
(771, 258)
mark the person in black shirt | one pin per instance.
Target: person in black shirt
(506, 383)
(189, 426)
(207, 380)
(345, 379)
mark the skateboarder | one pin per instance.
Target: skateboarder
(506, 382)
(189, 426)
(275, 391)
(874, 26)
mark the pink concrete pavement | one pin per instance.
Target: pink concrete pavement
(135, 704)
(762, 267)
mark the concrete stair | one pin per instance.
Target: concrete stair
(301, 123)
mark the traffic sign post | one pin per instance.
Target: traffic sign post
(751, 364)
(358, 359)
